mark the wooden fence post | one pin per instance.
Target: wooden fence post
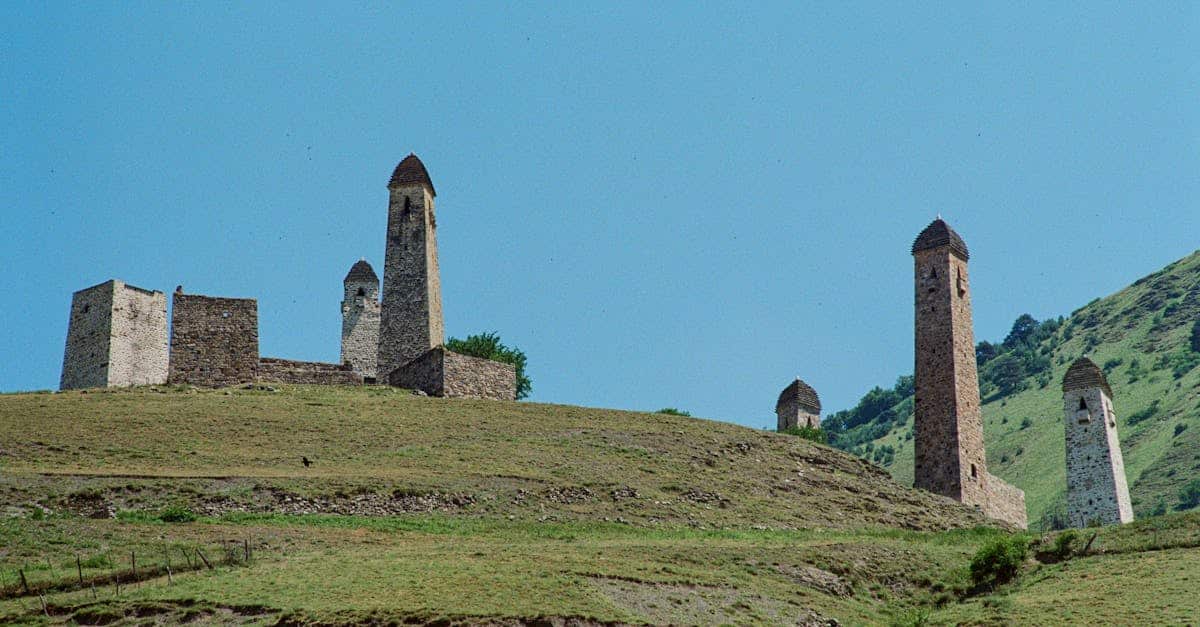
(79, 569)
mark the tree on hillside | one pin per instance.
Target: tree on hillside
(489, 346)
(984, 352)
(1196, 336)
(1022, 331)
(1007, 372)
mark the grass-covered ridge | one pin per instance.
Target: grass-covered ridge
(1147, 339)
(173, 505)
(378, 451)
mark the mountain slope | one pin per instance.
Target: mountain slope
(1143, 338)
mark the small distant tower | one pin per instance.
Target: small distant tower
(117, 336)
(360, 320)
(411, 321)
(798, 406)
(948, 440)
(1096, 486)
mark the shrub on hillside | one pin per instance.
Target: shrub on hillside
(999, 561)
(1196, 336)
(1145, 414)
(671, 411)
(808, 433)
(176, 514)
(1189, 495)
(489, 346)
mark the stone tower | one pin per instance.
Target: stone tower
(411, 321)
(798, 406)
(360, 320)
(948, 442)
(1096, 486)
(117, 336)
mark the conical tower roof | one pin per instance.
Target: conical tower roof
(361, 272)
(803, 394)
(939, 234)
(410, 171)
(1083, 374)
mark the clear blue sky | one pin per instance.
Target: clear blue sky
(677, 205)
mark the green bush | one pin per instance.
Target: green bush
(999, 561)
(671, 411)
(1026, 423)
(489, 346)
(1189, 495)
(1064, 544)
(808, 433)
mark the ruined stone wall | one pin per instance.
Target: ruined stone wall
(214, 341)
(360, 328)
(472, 377)
(306, 372)
(440, 372)
(1005, 502)
(116, 336)
(411, 312)
(139, 337)
(948, 440)
(89, 335)
(1096, 485)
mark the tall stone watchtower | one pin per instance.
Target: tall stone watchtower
(798, 406)
(948, 442)
(411, 322)
(360, 320)
(1096, 485)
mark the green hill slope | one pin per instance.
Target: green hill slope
(1144, 336)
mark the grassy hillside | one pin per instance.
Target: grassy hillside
(384, 451)
(162, 506)
(1143, 338)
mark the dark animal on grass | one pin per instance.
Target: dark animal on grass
(305, 461)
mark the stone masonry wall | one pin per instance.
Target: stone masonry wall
(360, 328)
(948, 426)
(472, 377)
(1096, 485)
(790, 414)
(424, 373)
(306, 372)
(139, 354)
(440, 372)
(89, 335)
(214, 341)
(1005, 502)
(117, 336)
(411, 312)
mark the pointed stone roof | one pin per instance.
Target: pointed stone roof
(361, 272)
(1084, 374)
(410, 171)
(803, 394)
(939, 234)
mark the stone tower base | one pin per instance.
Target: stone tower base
(440, 372)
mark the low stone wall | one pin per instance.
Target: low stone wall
(472, 377)
(440, 372)
(306, 372)
(1006, 502)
